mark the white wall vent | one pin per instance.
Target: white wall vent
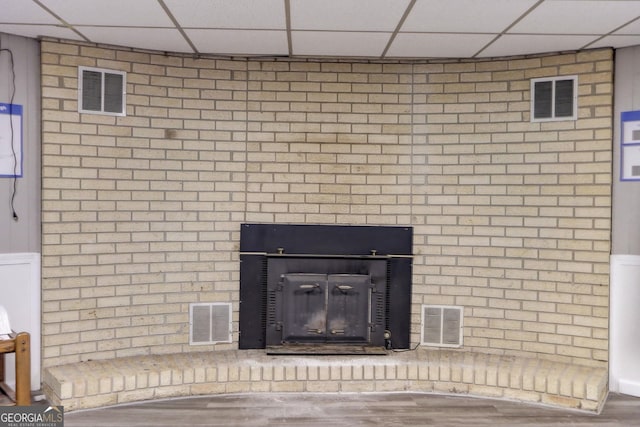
(210, 323)
(554, 98)
(102, 91)
(442, 325)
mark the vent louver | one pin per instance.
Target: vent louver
(210, 323)
(101, 91)
(554, 98)
(442, 326)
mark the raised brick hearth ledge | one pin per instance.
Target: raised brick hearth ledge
(130, 379)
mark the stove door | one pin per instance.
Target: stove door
(349, 308)
(304, 312)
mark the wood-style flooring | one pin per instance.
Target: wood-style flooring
(329, 409)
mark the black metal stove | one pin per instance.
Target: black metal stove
(324, 289)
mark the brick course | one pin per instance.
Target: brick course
(141, 214)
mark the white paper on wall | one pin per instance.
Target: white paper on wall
(5, 326)
(10, 140)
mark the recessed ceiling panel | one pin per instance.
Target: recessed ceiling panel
(238, 14)
(239, 42)
(330, 43)
(522, 44)
(24, 12)
(35, 31)
(467, 16)
(161, 39)
(138, 13)
(347, 15)
(578, 17)
(422, 45)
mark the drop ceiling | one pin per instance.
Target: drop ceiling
(334, 28)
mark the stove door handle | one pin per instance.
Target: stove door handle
(315, 285)
(344, 287)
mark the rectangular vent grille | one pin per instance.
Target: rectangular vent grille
(210, 323)
(554, 98)
(442, 325)
(102, 91)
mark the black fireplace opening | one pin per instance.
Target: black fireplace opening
(325, 289)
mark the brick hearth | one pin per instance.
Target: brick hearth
(115, 381)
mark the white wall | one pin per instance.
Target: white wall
(626, 194)
(22, 234)
(20, 242)
(624, 343)
(624, 367)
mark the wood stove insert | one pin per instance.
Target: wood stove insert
(324, 289)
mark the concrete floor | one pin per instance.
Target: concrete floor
(358, 409)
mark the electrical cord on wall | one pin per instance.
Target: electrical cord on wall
(14, 190)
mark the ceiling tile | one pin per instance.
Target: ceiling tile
(35, 31)
(632, 28)
(347, 15)
(425, 45)
(229, 14)
(23, 12)
(239, 42)
(327, 43)
(617, 41)
(522, 44)
(161, 39)
(139, 13)
(578, 17)
(469, 16)
(352, 28)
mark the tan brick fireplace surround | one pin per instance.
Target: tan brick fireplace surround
(141, 216)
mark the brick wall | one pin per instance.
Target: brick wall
(141, 214)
